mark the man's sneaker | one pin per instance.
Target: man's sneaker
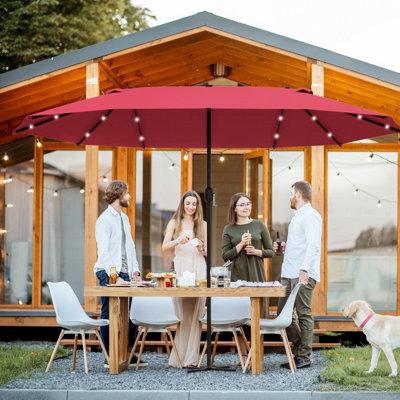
(132, 365)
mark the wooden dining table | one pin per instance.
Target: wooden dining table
(119, 315)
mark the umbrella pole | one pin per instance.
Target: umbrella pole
(209, 197)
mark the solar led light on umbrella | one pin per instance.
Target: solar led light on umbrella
(198, 117)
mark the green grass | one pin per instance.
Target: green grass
(18, 361)
(346, 371)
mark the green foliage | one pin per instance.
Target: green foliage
(346, 371)
(18, 361)
(33, 30)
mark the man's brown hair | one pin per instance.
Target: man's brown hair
(304, 188)
(115, 190)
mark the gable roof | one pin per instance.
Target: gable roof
(187, 24)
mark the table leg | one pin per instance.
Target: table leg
(257, 350)
(113, 340)
(123, 328)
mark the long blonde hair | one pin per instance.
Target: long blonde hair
(198, 223)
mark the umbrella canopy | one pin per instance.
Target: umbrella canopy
(176, 117)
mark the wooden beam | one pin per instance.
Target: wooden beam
(318, 196)
(111, 76)
(131, 171)
(2, 247)
(37, 226)
(91, 193)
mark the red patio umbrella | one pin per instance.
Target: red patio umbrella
(222, 117)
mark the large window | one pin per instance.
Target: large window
(287, 167)
(63, 251)
(362, 229)
(158, 180)
(16, 210)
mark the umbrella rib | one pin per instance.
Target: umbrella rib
(88, 133)
(371, 121)
(137, 120)
(322, 126)
(276, 135)
(32, 126)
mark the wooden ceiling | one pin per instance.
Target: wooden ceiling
(185, 59)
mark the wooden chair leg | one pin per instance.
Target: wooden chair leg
(174, 347)
(238, 346)
(288, 350)
(202, 355)
(140, 330)
(102, 346)
(166, 344)
(244, 339)
(84, 350)
(247, 362)
(55, 349)
(214, 348)
(74, 355)
(141, 348)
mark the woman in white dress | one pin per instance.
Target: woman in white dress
(187, 224)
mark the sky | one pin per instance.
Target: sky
(367, 30)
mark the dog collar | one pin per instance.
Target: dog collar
(367, 319)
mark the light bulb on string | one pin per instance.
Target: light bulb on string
(359, 116)
(387, 126)
(221, 157)
(9, 205)
(82, 190)
(55, 193)
(30, 190)
(355, 192)
(137, 119)
(38, 142)
(379, 204)
(105, 179)
(3, 231)
(290, 169)
(186, 156)
(337, 175)
(172, 166)
(370, 157)
(141, 138)
(6, 157)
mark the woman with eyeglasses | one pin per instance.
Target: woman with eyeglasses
(248, 264)
(248, 259)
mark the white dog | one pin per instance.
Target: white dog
(382, 331)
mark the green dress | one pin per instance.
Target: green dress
(247, 267)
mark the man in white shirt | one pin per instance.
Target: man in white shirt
(301, 263)
(115, 248)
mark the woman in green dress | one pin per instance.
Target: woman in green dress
(248, 264)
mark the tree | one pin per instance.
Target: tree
(33, 30)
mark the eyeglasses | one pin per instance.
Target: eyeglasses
(244, 204)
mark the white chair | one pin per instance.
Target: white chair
(228, 314)
(153, 314)
(73, 319)
(278, 326)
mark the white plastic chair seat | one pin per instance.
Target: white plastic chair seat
(71, 316)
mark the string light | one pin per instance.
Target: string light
(290, 169)
(137, 119)
(314, 118)
(9, 205)
(355, 192)
(337, 175)
(30, 190)
(172, 166)
(379, 204)
(105, 179)
(221, 157)
(7, 180)
(5, 157)
(38, 142)
(103, 117)
(186, 156)
(359, 116)
(141, 138)
(31, 126)
(280, 118)
(82, 190)
(329, 134)
(87, 134)
(387, 126)
(370, 157)
(56, 117)
(276, 136)
(55, 193)
(3, 231)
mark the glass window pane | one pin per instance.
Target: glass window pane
(63, 251)
(158, 181)
(287, 167)
(16, 213)
(362, 229)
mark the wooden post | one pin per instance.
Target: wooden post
(131, 180)
(146, 213)
(2, 226)
(37, 226)
(91, 193)
(318, 195)
(186, 171)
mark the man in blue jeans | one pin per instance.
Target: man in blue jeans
(115, 248)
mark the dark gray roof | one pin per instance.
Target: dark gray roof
(194, 21)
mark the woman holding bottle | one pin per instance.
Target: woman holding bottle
(186, 234)
(246, 242)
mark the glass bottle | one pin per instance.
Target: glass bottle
(113, 275)
(278, 241)
(248, 242)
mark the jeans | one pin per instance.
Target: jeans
(301, 330)
(104, 331)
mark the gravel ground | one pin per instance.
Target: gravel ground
(159, 376)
